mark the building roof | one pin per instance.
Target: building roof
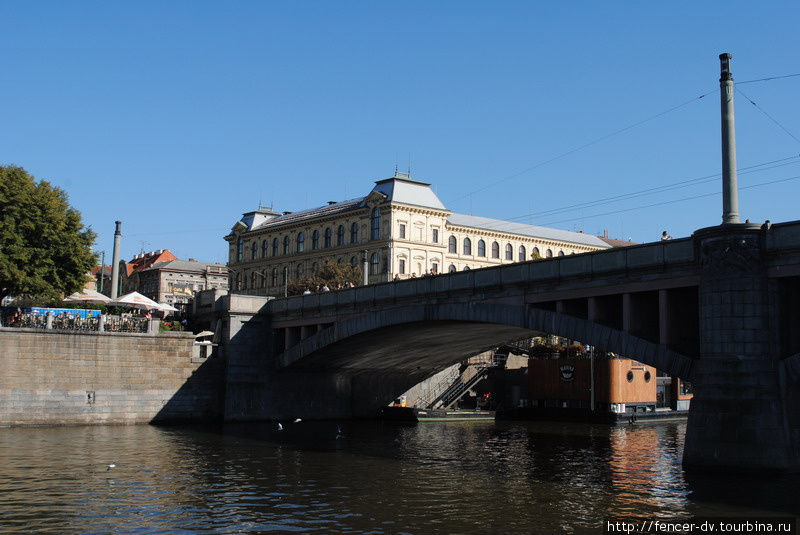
(145, 260)
(329, 209)
(613, 242)
(402, 189)
(534, 231)
(183, 265)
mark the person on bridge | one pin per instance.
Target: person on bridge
(665, 236)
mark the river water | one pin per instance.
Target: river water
(459, 477)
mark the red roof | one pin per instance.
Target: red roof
(148, 259)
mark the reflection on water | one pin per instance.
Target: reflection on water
(460, 477)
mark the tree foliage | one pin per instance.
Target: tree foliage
(330, 275)
(45, 251)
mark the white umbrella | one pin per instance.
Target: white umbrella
(166, 307)
(136, 300)
(202, 334)
(87, 296)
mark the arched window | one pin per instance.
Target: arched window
(374, 264)
(328, 234)
(536, 253)
(481, 248)
(340, 235)
(451, 245)
(253, 280)
(301, 242)
(263, 277)
(353, 261)
(354, 233)
(315, 240)
(244, 282)
(375, 224)
(239, 250)
(522, 253)
(548, 253)
(264, 248)
(561, 253)
(254, 251)
(495, 250)
(452, 268)
(467, 246)
(466, 268)
(274, 278)
(275, 247)
(298, 272)
(286, 245)
(509, 252)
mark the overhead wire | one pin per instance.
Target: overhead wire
(770, 117)
(585, 145)
(664, 203)
(769, 78)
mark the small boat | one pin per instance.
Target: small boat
(413, 414)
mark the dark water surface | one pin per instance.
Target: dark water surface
(455, 477)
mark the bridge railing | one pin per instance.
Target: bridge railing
(621, 259)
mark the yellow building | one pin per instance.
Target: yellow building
(401, 228)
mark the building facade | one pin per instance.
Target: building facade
(175, 282)
(401, 229)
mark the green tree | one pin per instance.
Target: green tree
(45, 251)
(331, 275)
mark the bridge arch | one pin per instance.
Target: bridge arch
(434, 336)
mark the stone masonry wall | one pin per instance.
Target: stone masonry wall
(66, 378)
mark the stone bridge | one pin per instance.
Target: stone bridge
(719, 309)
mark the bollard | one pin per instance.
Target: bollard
(152, 325)
(49, 324)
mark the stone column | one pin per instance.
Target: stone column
(738, 416)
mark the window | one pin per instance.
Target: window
(285, 275)
(315, 240)
(561, 253)
(481, 248)
(522, 253)
(549, 253)
(239, 250)
(374, 264)
(238, 283)
(495, 250)
(466, 268)
(451, 269)
(353, 261)
(509, 252)
(536, 253)
(434, 268)
(299, 271)
(467, 246)
(451, 244)
(286, 245)
(274, 278)
(354, 233)
(275, 247)
(435, 235)
(402, 231)
(253, 280)
(375, 224)
(264, 248)
(254, 251)
(340, 235)
(244, 282)
(301, 242)
(328, 234)
(401, 266)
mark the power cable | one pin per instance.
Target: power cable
(768, 79)
(585, 145)
(770, 117)
(674, 201)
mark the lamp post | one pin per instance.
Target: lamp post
(730, 188)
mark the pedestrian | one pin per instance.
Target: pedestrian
(307, 292)
(325, 288)
(665, 236)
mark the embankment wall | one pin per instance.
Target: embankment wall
(69, 378)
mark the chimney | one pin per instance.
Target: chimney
(115, 261)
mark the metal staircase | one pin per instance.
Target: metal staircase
(452, 388)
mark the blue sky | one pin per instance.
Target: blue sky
(176, 117)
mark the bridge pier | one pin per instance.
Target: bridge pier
(742, 413)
